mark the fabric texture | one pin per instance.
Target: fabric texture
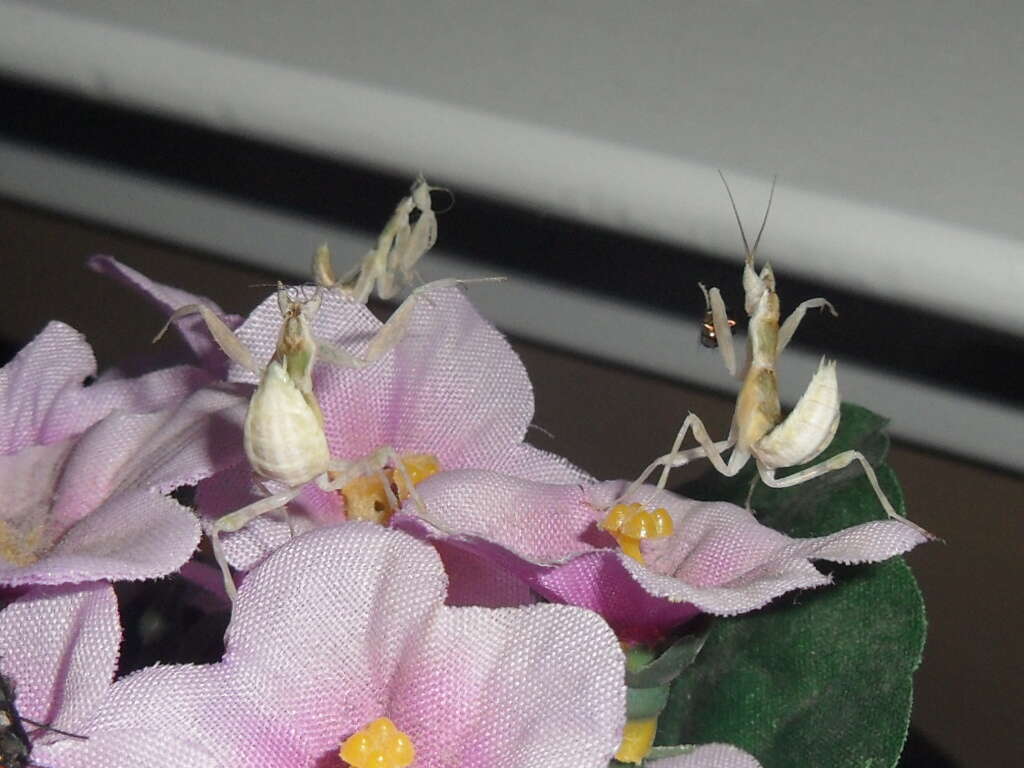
(58, 647)
(85, 468)
(347, 624)
(719, 560)
(452, 387)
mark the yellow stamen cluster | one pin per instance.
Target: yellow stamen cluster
(379, 745)
(19, 548)
(366, 497)
(418, 466)
(629, 523)
(637, 738)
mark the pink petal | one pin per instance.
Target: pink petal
(142, 748)
(136, 534)
(161, 450)
(233, 489)
(540, 522)
(216, 712)
(43, 398)
(54, 363)
(324, 644)
(719, 560)
(59, 646)
(512, 688)
(524, 460)
(452, 387)
(167, 299)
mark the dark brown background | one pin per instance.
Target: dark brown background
(608, 420)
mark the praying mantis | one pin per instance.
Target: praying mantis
(283, 432)
(400, 245)
(758, 430)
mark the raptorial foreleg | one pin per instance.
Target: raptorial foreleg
(723, 329)
(788, 328)
(223, 335)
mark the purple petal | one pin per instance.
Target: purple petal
(512, 688)
(167, 299)
(59, 646)
(136, 534)
(474, 579)
(719, 560)
(47, 369)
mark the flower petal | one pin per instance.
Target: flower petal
(513, 688)
(136, 534)
(59, 646)
(452, 386)
(210, 708)
(323, 645)
(125, 748)
(540, 522)
(47, 369)
(167, 299)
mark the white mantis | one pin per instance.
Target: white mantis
(758, 430)
(283, 434)
(392, 262)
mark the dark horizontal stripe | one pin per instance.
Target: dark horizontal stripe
(921, 345)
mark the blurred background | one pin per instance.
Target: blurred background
(214, 145)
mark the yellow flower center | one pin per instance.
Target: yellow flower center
(379, 745)
(19, 548)
(629, 523)
(366, 498)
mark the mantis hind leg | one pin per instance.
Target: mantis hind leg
(237, 520)
(839, 461)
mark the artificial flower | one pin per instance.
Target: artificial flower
(58, 650)
(84, 469)
(346, 625)
(452, 390)
(719, 559)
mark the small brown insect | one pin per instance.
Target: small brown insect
(708, 337)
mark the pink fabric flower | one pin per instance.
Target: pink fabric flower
(452, 387)
(346, 624)
(719, 560)
(84, 469)
(58, 647)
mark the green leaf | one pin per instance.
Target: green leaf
(645, 668)
(820, 677)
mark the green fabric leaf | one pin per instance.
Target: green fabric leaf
(820, 677)
(645, 668)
